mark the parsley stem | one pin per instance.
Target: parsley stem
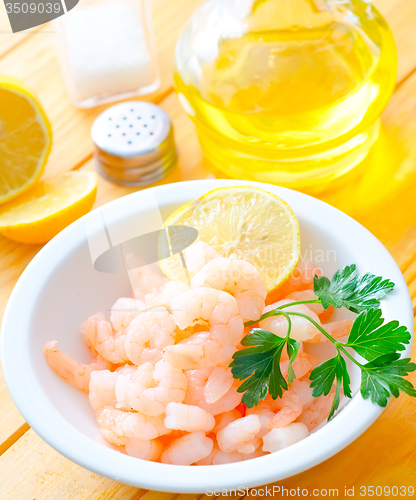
(277, 311)
(299, 302)
(337, 344)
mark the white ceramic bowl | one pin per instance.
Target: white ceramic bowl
(60, 288)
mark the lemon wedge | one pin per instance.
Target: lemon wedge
(245, 222)
(43, 211)
(25, 138)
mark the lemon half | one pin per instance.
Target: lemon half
(246, 222)
(25, 138)
(43, 211)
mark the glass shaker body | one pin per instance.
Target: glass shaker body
(288, 92)
(107, 51)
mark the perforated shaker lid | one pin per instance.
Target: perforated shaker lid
(134, 143)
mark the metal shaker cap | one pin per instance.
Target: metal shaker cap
(134, 143)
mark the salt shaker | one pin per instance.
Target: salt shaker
(107, 52)
(134, 143)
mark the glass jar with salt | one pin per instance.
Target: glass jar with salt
(107, 51)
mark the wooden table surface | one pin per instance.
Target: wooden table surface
(381, 195)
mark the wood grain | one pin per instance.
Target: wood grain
(380, 195)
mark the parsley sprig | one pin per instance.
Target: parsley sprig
(379, 343)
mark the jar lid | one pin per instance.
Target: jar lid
(134, 143)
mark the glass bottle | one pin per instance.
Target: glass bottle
(286, 91)
(107, 51)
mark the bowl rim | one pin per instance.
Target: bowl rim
(53, 428)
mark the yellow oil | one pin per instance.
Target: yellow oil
(296, 105)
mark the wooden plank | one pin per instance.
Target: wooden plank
(71, 126)
(32, 469)
(12, 424)
(386, 223)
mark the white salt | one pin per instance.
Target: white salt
(106, 50)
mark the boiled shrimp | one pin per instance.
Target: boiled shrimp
(148, 281)
(104, 339)
(166, 293)
(317, 412)
(240, 279)
(150, 388)
(301, 366)
(188, 449)
(146, 449)
(316, 308)
(240, 435)
(226, 328)
(188, 418)
(102, 389)
(223, 419)
(148, 334)
(265, 416)
(290, 407)
(302, 329)
(219, 383)
(337, 329)
(118, 426)
(198, 255)
(124, 311)
(280, 438)
(77, 374)
(195, 393)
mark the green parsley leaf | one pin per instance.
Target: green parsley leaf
(383, 377)
(351, 290)
(292, 348)
(371, 338)
(323, 377)
(259, 366)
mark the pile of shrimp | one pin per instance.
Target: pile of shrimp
(160, 383)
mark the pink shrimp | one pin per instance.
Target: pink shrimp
(77, 374)
(219, 383)
(226, 329)
(146, 449)
(282, 437)
(102, 389)
(196, 380)
(188, 449)
(148, 334)
(316, 308)
(240, 435)
(317, 412)
(302, 329)
(188, 418)
(148, 281)
(104, 339)
(239, 278)
(336, 329)
(118, 426)
(290, 408)
(224, 419)
(301, 366)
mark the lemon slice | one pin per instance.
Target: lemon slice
(43, 211)
(25, 138)
(245, 222)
